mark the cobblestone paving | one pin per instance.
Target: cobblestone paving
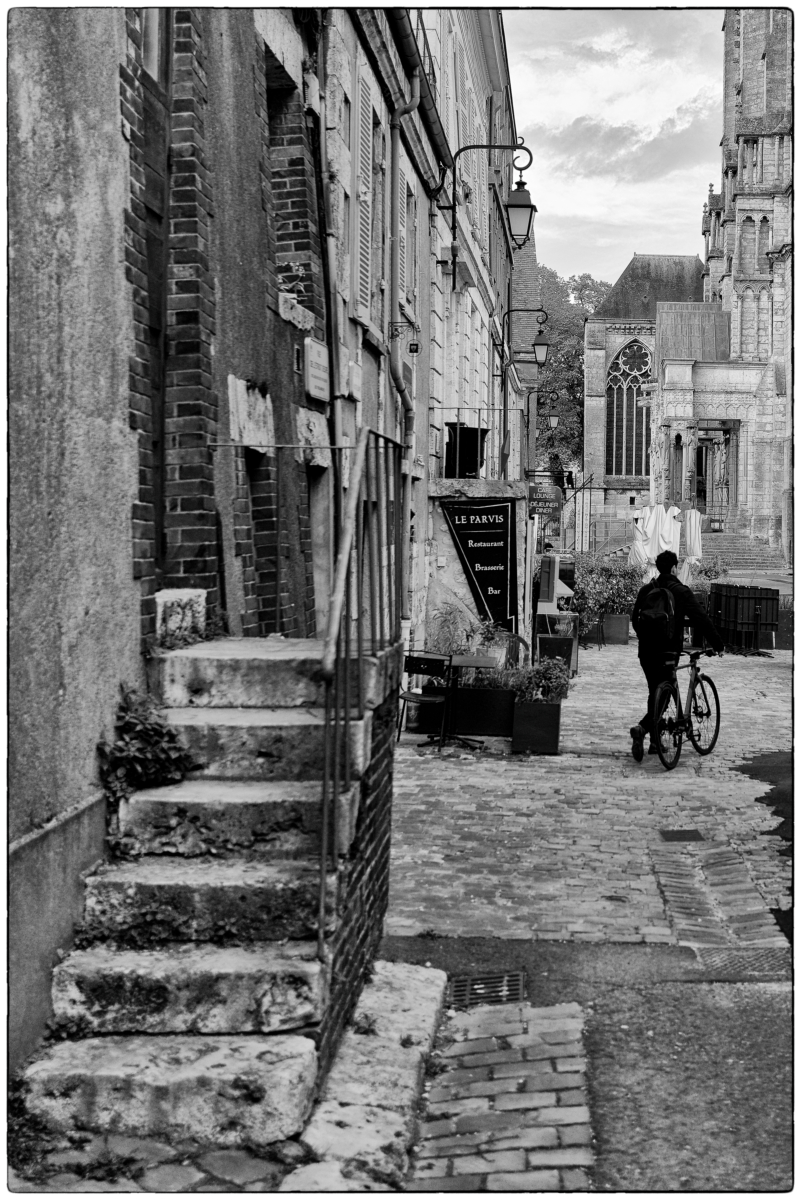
(508, 1111)
(569, 847)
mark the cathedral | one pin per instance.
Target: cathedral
(688, 370)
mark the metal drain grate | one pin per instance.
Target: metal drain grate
(681, 835)
(465, 991)
(771, 962)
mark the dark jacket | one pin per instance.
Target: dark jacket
(685, 605)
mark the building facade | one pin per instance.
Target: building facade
(687, 368)
(227, 259)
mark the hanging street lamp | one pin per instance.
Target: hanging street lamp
(519, 208)
(520, 212)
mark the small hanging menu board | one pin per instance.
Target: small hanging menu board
(484, 533)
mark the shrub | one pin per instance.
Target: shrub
(546, 681)
(604, 586)
(145, 751)
(713, 567)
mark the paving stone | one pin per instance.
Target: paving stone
(575, 1180)
(570, 1064)
(237, 1166)
(432, 1168)
(474, 1046)
(494, 1160)
(572, 1096)
(171, 1177)
(456, 1183)
(520, 1100)
(525, 1139)
(144, 1148)
(497, 1056)
(564, 1050)
(525, 1181)
(472, 1104)
(575, 1135)
(569, 1156)
(577, 1115)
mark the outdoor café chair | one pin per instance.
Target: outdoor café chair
(426, 664)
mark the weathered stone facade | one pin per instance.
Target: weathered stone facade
(721, 377)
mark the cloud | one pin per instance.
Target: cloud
(589, 146)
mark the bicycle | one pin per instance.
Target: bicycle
(699, 719)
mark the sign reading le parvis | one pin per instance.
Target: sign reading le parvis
(484, 533)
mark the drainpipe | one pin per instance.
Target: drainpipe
(337, 395)
(395, 316)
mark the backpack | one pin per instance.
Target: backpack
(656, 620)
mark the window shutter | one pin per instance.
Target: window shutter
(462, 108)
(364, 196)
(402, 233)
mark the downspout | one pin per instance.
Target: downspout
(395, 316)
(337, 395)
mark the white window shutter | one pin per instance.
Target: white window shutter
(364, 167)
(402, 233)
(463, 109)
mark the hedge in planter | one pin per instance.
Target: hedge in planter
(539, 692)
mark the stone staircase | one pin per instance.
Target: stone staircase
(197, 984)
(742, 553)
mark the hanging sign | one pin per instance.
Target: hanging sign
(544, 500)
(484, 533)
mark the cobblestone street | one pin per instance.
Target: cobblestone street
(569, 847)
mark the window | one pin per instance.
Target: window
(154, 43)
(628, 429)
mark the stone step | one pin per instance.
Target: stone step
(191, 989)
(272, 672)
(219, 816)
(242, 672)
(153, 900)
(221, 1091)
(263, 743)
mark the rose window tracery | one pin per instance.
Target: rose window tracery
(628, 427)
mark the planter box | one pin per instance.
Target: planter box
(478, 712)
(784, 633)
(536, 728)
(616, 629)
(551, 646)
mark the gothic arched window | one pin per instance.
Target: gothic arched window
(628, 427)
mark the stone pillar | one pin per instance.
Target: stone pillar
(690, 473)
(740, 146)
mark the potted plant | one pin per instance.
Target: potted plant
(605, 590)
(539, 692)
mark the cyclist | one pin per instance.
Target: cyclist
(661, 638)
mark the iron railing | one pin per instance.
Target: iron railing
(364, 619)
(428, 60)
(472, 440)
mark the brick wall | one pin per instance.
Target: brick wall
(190, 403)
(364, 886)
(139, 394)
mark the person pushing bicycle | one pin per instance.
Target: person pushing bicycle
(658, 619)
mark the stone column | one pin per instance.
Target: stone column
(690, 473)
(740, 145)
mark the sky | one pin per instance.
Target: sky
(622, 109)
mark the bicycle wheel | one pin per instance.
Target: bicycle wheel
(667, 725)
(704, 715)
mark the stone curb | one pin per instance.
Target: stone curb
(364, 1123)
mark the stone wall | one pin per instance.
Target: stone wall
(74, 604)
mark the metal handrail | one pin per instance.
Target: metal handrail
(367, 587)
(345, 544)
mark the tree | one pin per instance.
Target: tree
(568, 303)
